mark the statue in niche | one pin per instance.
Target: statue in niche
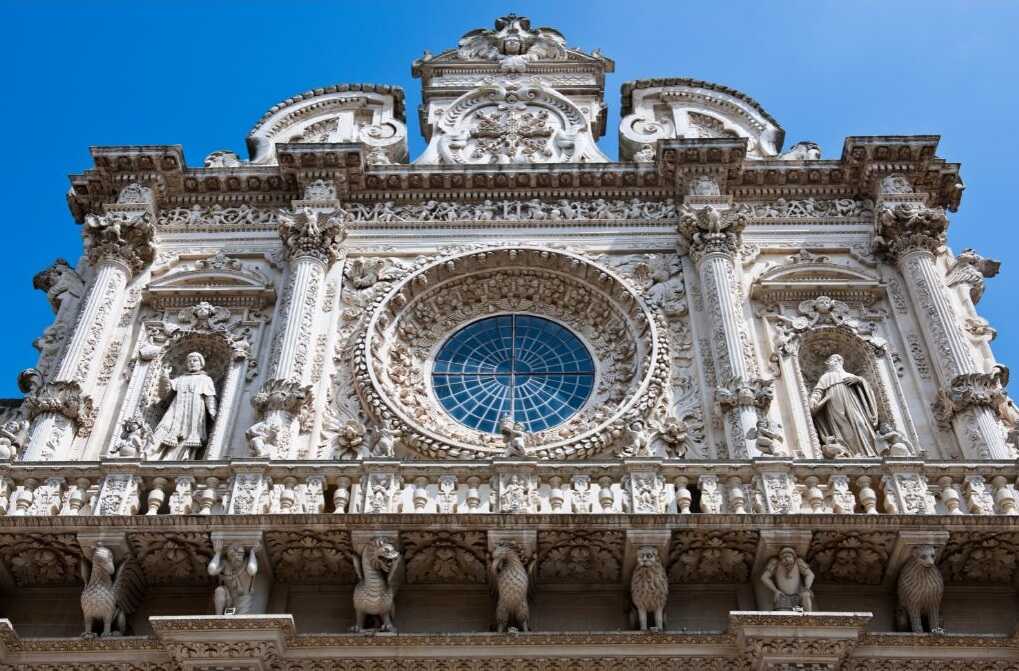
(844, 409)
(790, 580)
(185, 427)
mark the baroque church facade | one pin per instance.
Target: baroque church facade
(513, 404)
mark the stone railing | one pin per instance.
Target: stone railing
(638, 486)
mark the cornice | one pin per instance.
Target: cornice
(863, 162)
(627, 89)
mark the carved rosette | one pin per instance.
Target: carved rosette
(61, 398)
(905, 228)
(709, 230)
(124, 235)
(312, 233)
(433, 299)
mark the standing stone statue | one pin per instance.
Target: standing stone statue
(844, 409)
(184, 427)
(789, 578)
(236, 589)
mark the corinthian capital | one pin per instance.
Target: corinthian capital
(288, 396)
(309, 232)
(126, 235)
(909, 227)
(61, 398)
(707, 229)
(971, 390)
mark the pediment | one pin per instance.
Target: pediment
(219, 280)
(800, 281)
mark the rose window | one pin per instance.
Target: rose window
(530, 368)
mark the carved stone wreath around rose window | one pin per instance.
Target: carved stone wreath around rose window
(420, 311)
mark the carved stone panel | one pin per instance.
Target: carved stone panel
(589, 557)
(446, 557)
(712, 557)
(981, 558)
(311, 556)
(172, 557)
(41, 559)
(850, 557)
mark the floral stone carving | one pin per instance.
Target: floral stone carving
(432, 300)
(707, 557)
(121, 234)
(580, 557)
(850, 557)
(311, 556)
(445, 557)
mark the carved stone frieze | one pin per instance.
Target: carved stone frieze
(535, 209)
(809, 208)
(712, 557)
(446, 557)
(217, 218)
(589, 557)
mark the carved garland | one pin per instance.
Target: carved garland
(412, 319)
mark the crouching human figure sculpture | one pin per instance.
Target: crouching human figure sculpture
(789, 578)
(649, 589)
(511, 581)
(379, 574)
(920, 589)
(236, 590)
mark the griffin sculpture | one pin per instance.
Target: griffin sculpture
(379, 573)
(111, 594)
(511, 581)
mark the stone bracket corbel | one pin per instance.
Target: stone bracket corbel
(113, 539)
(661, 540)
(248, 539)
(903, 549)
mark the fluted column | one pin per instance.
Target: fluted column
(312, 239)
(910, 235)
(712, 237)
(118, 244)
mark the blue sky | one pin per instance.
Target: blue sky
(201, 73)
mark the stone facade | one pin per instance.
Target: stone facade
(792, 447)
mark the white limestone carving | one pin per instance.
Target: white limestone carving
(662, 109)
(369, 114)
(185, 426)
(844, 410)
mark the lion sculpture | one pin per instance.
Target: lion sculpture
(920, 590)
(649, 589)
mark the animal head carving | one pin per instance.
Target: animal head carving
(103, 558)
(381, 554)
(647, 555)
(505, 552)
(924, 555)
